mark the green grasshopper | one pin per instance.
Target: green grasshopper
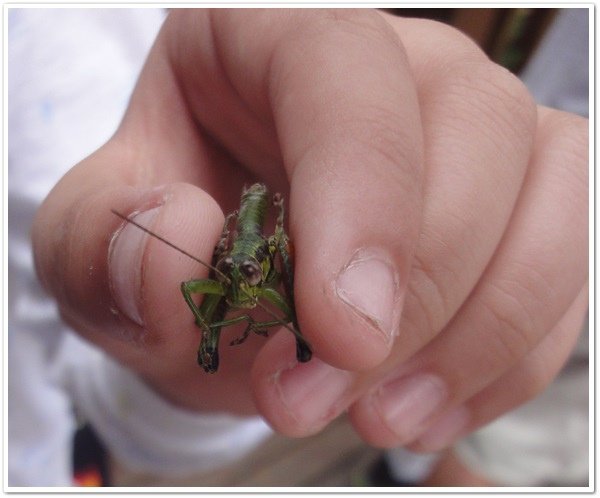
(242, 272)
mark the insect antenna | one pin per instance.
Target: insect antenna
(170, 244)
(210, 267)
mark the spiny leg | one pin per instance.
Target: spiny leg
(278, 203)
(259, 328)
(208, 350)
(213, 309)
(253, 326)
(285, 249)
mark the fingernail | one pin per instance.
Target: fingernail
(369, 284)
(445, 430)
(406, 403)
(313, 393)
(126, 252)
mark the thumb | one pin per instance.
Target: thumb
(113, 283)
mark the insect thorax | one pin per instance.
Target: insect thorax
(253, 208)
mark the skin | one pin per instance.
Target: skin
(396, 143)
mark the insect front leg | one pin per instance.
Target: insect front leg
(284, 247)
(213, 309)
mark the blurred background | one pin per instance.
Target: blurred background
(508, 36)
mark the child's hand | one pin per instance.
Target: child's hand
(439, 221)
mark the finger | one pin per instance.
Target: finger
(119, 287)
(465, 177)
(462, 96)
(106, 280)
(530, 377)
(479, 123)
(356, 163)
(523, 293)
(298, 399)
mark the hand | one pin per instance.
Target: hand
(439, 222)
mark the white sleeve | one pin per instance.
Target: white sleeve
(71, 72)
(142, 430)
(40, 420)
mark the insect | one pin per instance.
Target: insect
(242, 275)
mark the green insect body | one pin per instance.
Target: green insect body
(243, 274)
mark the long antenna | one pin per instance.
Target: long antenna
(210, 267)
(170, 244)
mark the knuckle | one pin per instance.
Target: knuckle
(496, 98)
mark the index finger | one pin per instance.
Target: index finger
(350, 133)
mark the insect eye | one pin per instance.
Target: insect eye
(224, 266)
(251, 272)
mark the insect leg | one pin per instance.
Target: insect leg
(253, 326)
(223, 244)
(285, 250)
(303, 351)
(213, 309)
(278, 203)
